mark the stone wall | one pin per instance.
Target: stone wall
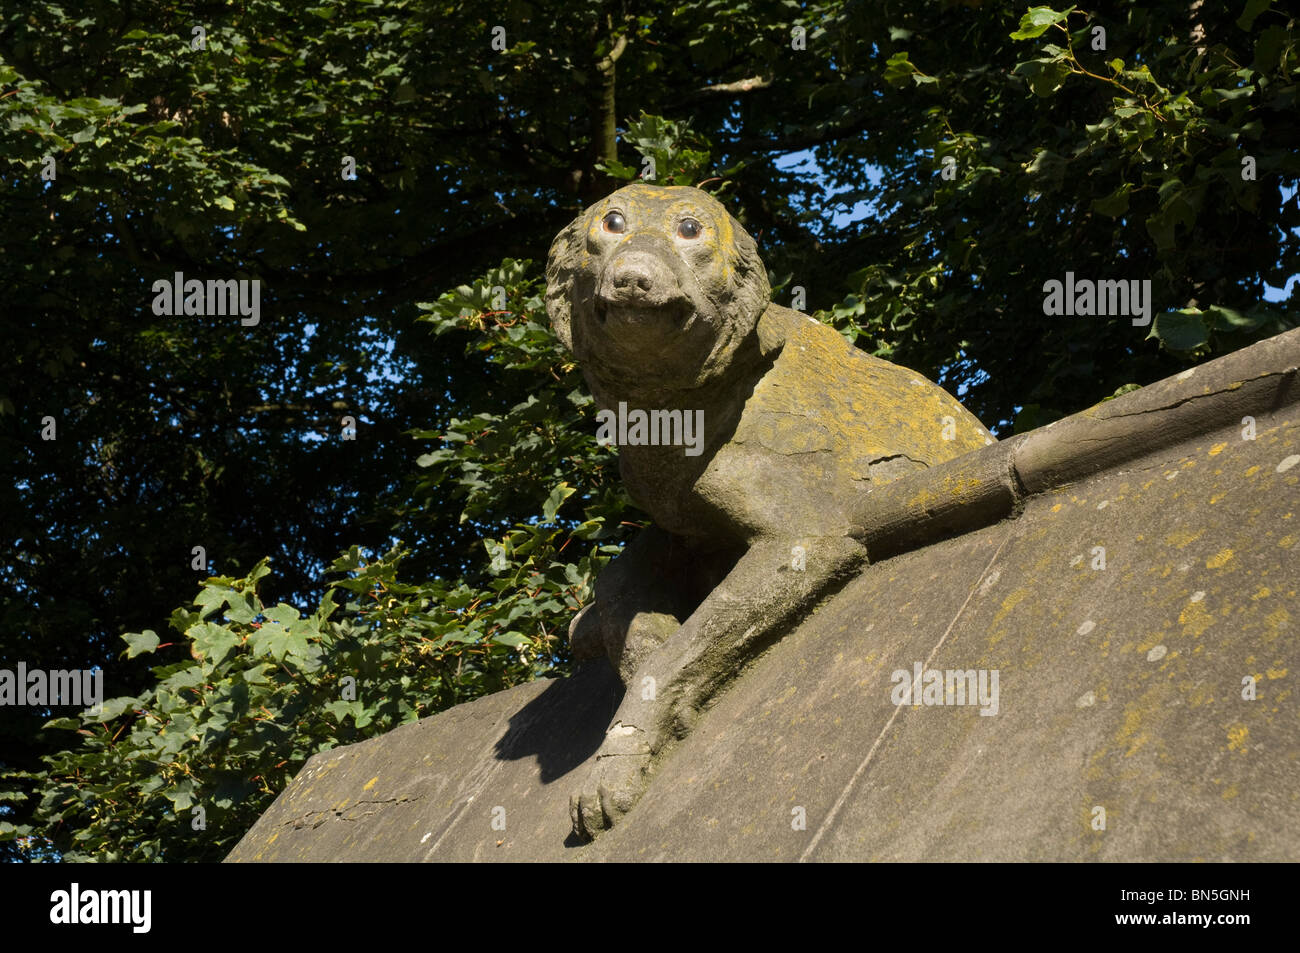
(1129, 573)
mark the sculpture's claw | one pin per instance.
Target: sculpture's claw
(614, 785)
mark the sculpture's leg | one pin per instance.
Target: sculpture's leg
(759, 600)
(643, 597)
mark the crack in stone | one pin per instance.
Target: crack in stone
(343, 815)
(895, 456)
(1178, 403)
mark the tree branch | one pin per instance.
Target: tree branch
(738, 86)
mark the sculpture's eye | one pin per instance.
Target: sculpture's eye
(689, 228)
(614, 222)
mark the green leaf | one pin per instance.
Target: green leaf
(261, 569)
(555, 499)
(1253, 9)
(140, 642)
(111, 709)
(898, 69)
(1033, 416)
(241, 610)
(1177, 209)
(181, 795)
(1115, 204)
(1181, 330)
(213, 641)
(1038, 20)
(1122, 390)
(1236, 320)
(283, 613)
(1268, 48)
(282, 634)
(619, 170)
(211, 598)
(1048, 167)
(1045, 76)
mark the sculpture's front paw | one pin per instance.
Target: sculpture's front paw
(614, 784)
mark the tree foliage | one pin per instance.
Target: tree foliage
(184, 768)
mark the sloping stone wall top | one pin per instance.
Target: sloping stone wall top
(1129, 573)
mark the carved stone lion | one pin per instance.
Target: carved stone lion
(662, 298)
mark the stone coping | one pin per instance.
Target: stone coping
(985, 486)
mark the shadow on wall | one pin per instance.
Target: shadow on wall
(565, 724)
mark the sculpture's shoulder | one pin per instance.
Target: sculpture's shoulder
(866, 407)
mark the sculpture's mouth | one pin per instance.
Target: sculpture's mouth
(671, 316)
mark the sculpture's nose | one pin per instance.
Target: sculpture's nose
(633, 278)
(639, 276)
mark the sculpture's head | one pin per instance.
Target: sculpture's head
(655, 287)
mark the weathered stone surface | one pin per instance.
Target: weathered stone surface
(426, 791)
(974, 490)
(1119, 688)
(978, 489)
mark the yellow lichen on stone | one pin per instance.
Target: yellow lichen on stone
(1181, 538)
(1195, 619)
(1276, 623)
(923, 498)
(1129, 732)
(1237, 735)
(1009, 603)
(1219, 559)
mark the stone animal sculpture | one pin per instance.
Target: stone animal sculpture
(661, 297)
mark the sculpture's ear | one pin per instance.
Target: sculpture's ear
(752, 292)
(561, 269)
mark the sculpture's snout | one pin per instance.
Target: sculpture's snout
(639, 277)
(634, 278)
